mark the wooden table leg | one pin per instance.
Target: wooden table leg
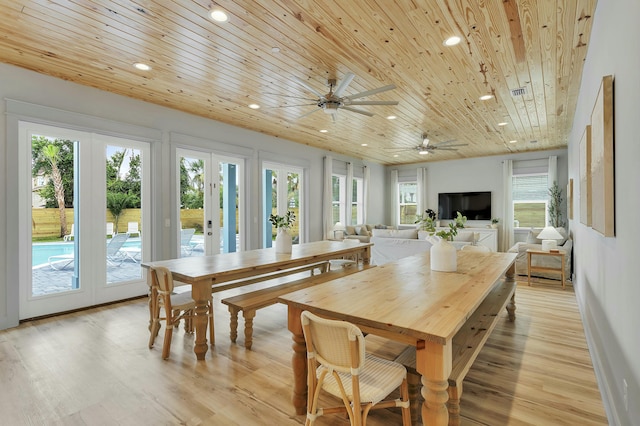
(298, 361)
(201, 293)
(510, 276)
(562, 268)
(433, 361)
(529, 268)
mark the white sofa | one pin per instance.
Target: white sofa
(532, 242)
(393, 244)
(362, 232)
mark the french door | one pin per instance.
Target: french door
(81, 194)
(209, 203)
(282, 191)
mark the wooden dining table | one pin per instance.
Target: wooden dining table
(207, 274)
(407, 302)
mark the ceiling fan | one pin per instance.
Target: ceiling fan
(427, 148)
(333, 101)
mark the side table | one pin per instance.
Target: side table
(530, 268)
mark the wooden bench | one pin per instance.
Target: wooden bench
(250, 302)
(467, 343)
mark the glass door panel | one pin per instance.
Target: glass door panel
(124, 219)
(191, 241)
(54, 242)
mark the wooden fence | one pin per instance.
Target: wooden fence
(46, 222)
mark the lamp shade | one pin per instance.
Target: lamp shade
(339, 227)
(549, 236)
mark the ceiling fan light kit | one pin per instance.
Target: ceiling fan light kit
(333, 101)
(426, 147)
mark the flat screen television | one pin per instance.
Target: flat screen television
(473, 205)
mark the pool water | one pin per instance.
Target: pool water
(40, 252)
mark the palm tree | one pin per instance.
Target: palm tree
(51, 153)
(116, 203)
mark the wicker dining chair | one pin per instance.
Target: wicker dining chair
(339, 365)
(177, 307)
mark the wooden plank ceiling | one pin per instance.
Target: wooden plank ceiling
(216, 70)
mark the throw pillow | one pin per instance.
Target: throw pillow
(350, 230)
(532, 237)
(362, 230)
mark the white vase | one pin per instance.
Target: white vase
(443, 257)
(284, 244)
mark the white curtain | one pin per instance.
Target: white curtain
(365, 202)
(507, 207)
(349, 195)
(327, 198)
(422, 190)
(552, 174)
(394, 198)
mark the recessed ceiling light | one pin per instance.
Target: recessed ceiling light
(452, 41)
(395, 155)
(218, 15)
(275, 49)
(513, 141)
(323, 131)
(141, 66)
(502, 124)
(486, 97)
(391, 117)
(254, 106)
(364, 144)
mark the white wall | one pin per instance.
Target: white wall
(61, 102)
(606, 281)
(476, 174)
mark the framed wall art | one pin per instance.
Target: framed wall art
(602, 160)
(585, 177)
(570, 199)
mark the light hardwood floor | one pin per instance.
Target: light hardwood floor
(94, 368)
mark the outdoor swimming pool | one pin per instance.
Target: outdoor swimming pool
(40, 252)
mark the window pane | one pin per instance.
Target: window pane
(408, 203)
(529, 215)
(530, 197)
(530, 187)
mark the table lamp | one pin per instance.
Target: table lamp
(338, 227)
(549, 237)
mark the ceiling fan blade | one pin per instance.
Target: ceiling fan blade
(289, 106)
(446, 142)
(359, 111)
(308, 87)
(448, 146)
(291, 96)
(346, 80)
(443, 149)
(371, 92)
(310, 112)
(372, 103)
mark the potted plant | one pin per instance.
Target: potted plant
(555, 201)
(428, 221)
(494, 222)
(284, 243)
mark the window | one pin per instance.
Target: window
(408, 203)
(530, 198)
